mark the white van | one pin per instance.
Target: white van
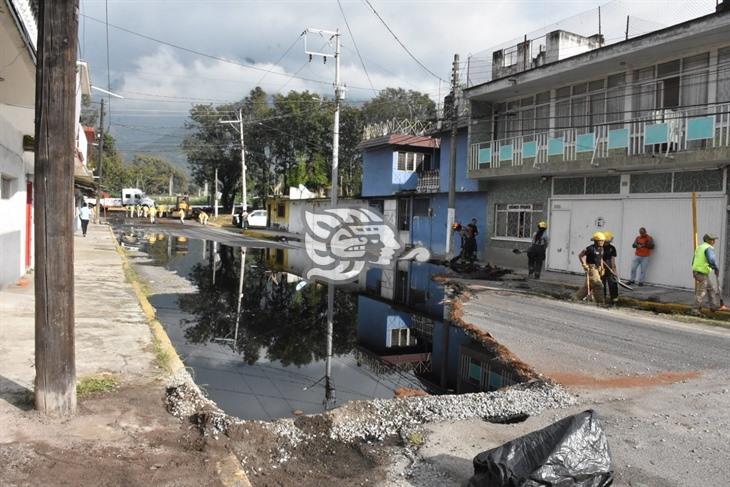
(135, 196)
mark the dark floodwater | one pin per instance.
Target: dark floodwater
(269, 360)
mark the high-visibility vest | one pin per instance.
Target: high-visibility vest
(700, 263)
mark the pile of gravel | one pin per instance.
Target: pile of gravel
(381, 418)
(378, 419)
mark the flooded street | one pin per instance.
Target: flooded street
(265, 359)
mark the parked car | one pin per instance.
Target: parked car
(257, 218)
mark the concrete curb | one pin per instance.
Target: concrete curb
(229, 468)
(175, 364)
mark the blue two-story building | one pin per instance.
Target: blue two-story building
(407, 177)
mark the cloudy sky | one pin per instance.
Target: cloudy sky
(160, 80)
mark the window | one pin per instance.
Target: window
(401, 337)
(723, 75)
(615, 101)
(517, 221)
(404, 214)
(281, 210)
(474, 371)
(413, 161)
(7, 187)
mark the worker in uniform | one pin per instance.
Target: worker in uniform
(704, 264)
(131, 211)
(537, 250)
(203, 218)
(146, 211)
(139, 211)
(591, 259)
(153, 213)
(181, 214)
(610, 273)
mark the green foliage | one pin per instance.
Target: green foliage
(398, 103)
(153, 174)
(97, 383)
(288, 139)
(89, 114)
(150, 173)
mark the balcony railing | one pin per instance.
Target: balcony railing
(428, 181)
(664, 131)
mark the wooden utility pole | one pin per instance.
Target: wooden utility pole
(55, 382)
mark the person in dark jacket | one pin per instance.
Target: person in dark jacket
(610, 275)
(536, 252)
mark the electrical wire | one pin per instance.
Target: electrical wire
(367, 2)
(211, 56)
(352, 36)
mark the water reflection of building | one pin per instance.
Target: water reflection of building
(403, 321)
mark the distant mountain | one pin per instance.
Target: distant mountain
(157, 136)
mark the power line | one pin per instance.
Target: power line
(108, 62)
(367, 2)
(281, 57)
(211, 56)
(339, 4)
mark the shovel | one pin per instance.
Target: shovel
(719, 290)
(618, 279)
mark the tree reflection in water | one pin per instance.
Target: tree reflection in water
(278, 321)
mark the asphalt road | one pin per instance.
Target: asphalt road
(660, 386)
(566, 337)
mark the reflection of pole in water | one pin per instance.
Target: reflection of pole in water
(205, 248)
(329, 386)
(169, 247)
(213, 252)
(240, 297)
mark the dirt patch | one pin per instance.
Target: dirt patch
(124, 437)
(409, 392)
(623, 381)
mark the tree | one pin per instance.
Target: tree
(398, 103)
(89, 113)
(213, 145)
(152, 174)
(115, 174)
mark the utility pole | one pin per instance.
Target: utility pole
(329, 389)
(451, 212)
(215, 194)
(55, 129)
(101, 157)
(169, 190)
(239, 121)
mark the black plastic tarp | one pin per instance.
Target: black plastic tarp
(572, 452)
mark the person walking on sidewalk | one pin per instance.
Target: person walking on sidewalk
(537, 250)
(591, 259)
(643, 244)
(84, 216)
(703, 264)
(610, 274)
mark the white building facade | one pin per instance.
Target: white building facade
(17, 95)
(614, 138)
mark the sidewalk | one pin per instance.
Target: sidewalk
(121, 434)
(647, 292)
(112, 334)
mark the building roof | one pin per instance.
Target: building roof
(637, 52)
(401, 140)
(24, 13)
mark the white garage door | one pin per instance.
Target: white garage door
(667, 219)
